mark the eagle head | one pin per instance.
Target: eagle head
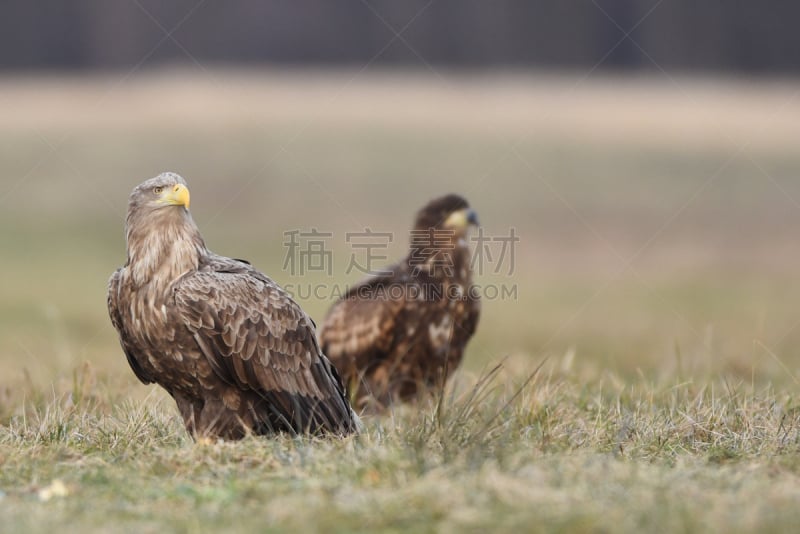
(450, 212)
(160, 231)
(165, 190)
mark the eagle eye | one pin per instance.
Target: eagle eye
(158, 190)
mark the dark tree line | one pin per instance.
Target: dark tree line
(727, 35)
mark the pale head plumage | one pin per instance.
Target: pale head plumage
(144, 197)
(163, 239)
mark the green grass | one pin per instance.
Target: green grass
(553, 455)
(659, 300)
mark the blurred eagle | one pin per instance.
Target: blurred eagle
(236, 353)
(401, 332)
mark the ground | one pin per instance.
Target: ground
(648, 342)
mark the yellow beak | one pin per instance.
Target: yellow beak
(177, 196)
(461, 219)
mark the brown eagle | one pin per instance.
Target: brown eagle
(236, 353)
(401, 332)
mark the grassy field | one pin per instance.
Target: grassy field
(654, 284)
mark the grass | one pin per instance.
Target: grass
(552, 455)
(655, 283)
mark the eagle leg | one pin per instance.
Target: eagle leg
(190, 410)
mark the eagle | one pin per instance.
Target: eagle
(401, 332)
(233, 349)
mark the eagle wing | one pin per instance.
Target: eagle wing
(115, 313)
(470, 322)
(360, 328)
(256, 338)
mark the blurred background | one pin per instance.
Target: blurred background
(644, 152)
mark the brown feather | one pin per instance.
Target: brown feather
(395, 336)
(233, 349)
